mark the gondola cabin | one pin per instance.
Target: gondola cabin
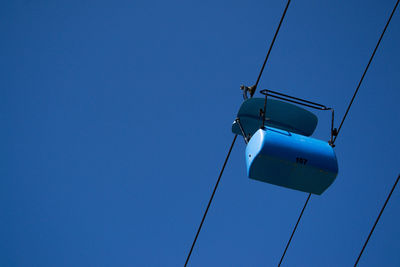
(291, 160)
(282, 152)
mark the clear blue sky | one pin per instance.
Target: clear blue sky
(116, 119)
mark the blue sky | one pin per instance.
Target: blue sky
(116, 119)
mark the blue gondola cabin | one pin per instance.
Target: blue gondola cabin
(282, 153)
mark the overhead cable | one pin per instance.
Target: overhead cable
(211, 199)
(294, 230)
(366, 69)
(377, 220)
(253, 88)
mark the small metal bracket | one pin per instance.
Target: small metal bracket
(251, 90)
(264, 111)
(334, 131)
(245, 136)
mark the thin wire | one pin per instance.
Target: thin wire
(211, 199)
(294, 230)
(366, 69)
(272, 44)
(377, 219)
(234, 139)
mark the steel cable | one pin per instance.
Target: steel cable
(366, 69)
(270, 47)
(294, 230)
(376, 221)
(209, 202)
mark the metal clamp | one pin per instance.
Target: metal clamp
(251, 90)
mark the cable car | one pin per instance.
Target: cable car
(280, 150)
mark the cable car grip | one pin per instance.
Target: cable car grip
(251, 90)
